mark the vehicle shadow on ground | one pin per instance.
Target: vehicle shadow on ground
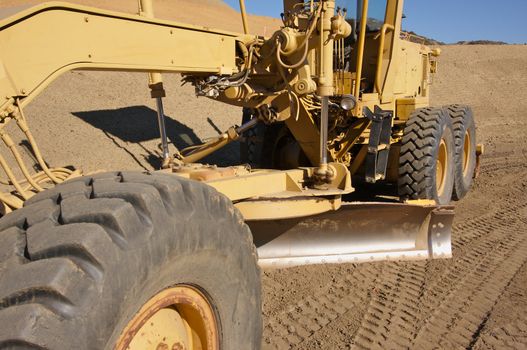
(138, 125)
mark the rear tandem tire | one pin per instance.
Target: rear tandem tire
(252, 145)
(426, 161)
(270, 146)
(465, 140)
(79, 261)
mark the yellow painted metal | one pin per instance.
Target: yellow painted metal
(195, 153)
(325, 76)
(344, 83)
(279, 184)
(165, 327)
(146, 9)
(442, 167)
(99, 39)
(11, 145)
(22, 124)
(47, 40)
(12, 179)
(467, 152)
(272, 194)
(360, 51)
(391, 52)
(179, 317)
(395, 67)
(208, 148)
(385, 28)
(350, 138)
(415, 78)
(259, 184)
(359, 159)
(277, 77)
(306, 133)
(286, 208)
(406, 106)
(280, 79)
(244, 17)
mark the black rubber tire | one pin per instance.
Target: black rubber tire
(463, 121)
(267, 146)
(252, 142)
(78, 261)
(419, 151)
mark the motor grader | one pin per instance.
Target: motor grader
(335, 104)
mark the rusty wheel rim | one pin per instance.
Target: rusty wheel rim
(177, 318)
(441, 167)
(467, 149)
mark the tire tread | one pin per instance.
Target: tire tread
(68, 241)
(462, 118)
(416, 160)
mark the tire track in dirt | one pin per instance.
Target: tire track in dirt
(510, 336)
(511, 333)
(500, 180)
(456, 321)
(394, 321)
(302, 320)
(466, 232)
(392, 311)
(500, 165)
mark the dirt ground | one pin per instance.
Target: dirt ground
(477, 300)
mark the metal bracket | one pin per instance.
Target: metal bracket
(379, 143)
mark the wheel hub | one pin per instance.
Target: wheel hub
(177, 318)
(441, 167)
(467, 149)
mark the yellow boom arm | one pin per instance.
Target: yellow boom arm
(42, 42)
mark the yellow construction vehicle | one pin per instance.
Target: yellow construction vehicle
(336, 100)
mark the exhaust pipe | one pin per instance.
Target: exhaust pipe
(356, 233)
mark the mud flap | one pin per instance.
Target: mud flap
(358, 232)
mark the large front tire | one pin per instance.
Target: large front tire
(81, 262)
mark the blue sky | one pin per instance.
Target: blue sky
(445, 20)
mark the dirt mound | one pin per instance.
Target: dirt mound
(481, 42)
(493, 80)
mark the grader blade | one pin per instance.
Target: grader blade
(358, 232)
